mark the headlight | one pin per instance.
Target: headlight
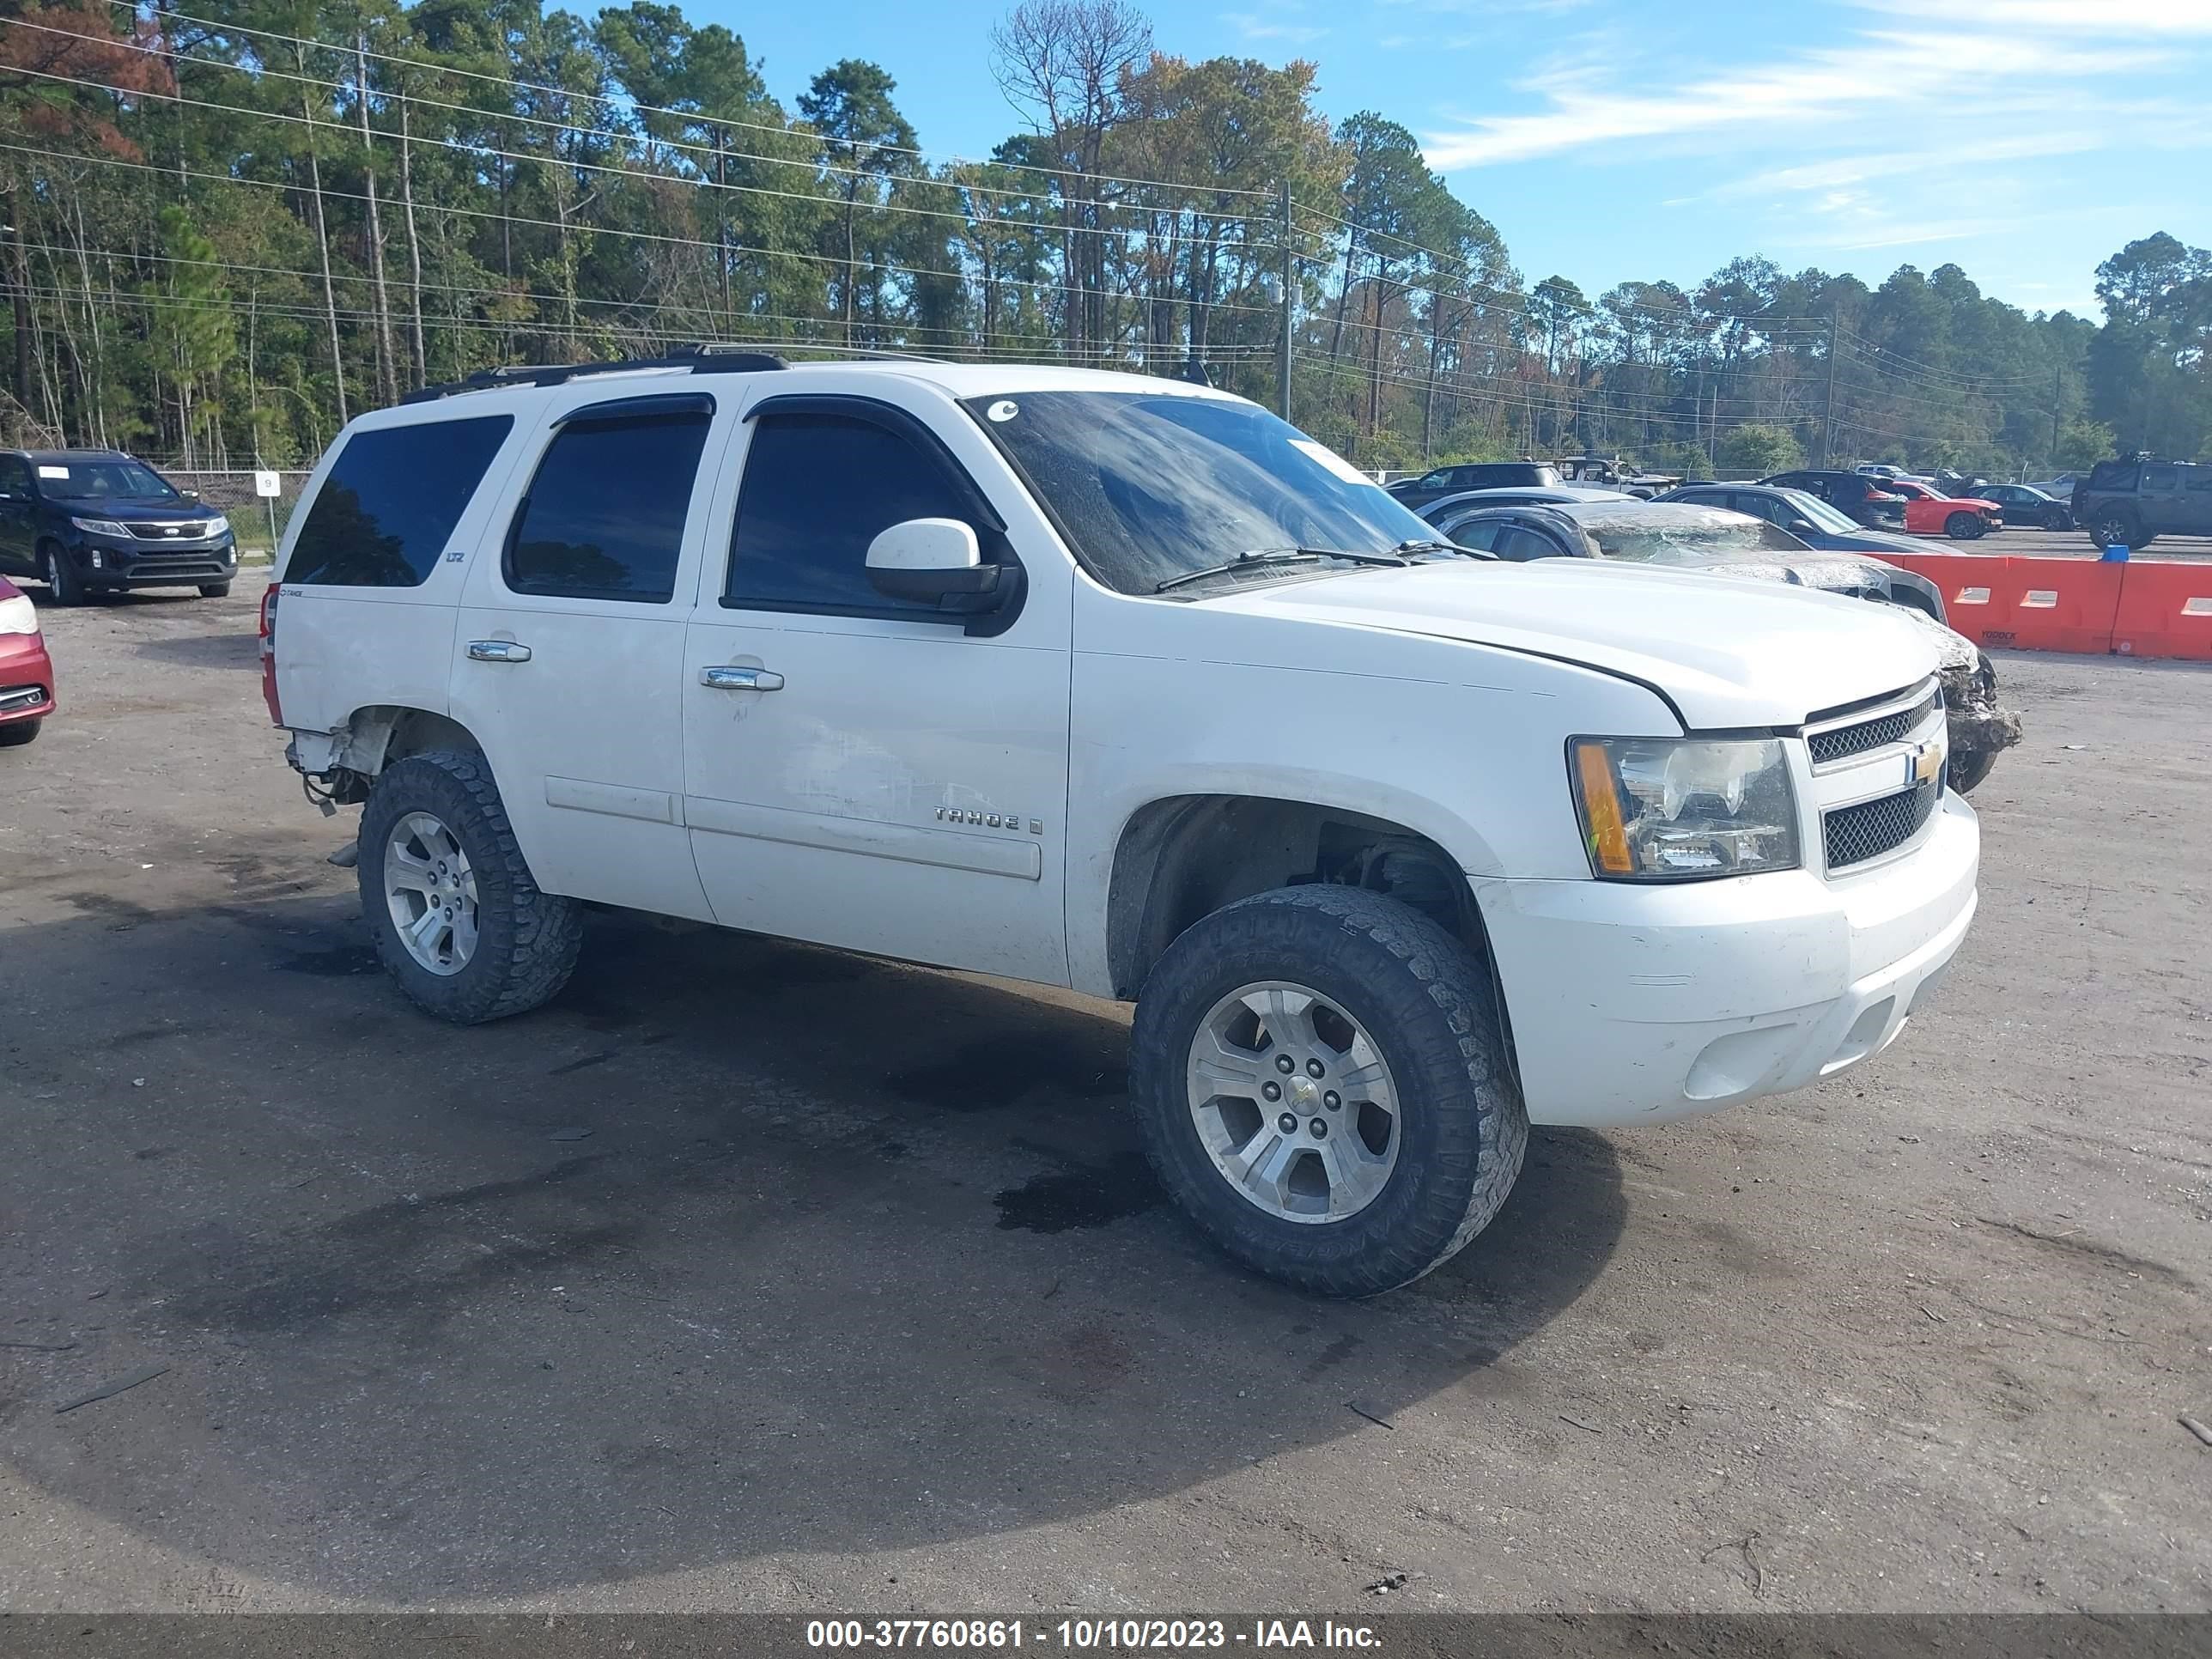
(1677, 809)
(18, 615)
(218, 526)
(100, 527)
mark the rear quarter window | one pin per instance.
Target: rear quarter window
(391, 500)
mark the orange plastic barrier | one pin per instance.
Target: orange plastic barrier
(2165, 610)
(1980, 591)
(2065, 605)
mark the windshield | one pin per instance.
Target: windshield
(118, 481)
(1822, 516)
(1148, 487)
(1666, 532)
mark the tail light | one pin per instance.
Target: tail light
(268, 655)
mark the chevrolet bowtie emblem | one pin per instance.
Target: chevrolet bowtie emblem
(1927, 762)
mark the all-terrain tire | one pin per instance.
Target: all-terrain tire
(1426, 1000)
(526, 940)
(2115, 526)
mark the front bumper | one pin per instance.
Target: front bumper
(27, 678)
(1640, 1005)
(103, 561)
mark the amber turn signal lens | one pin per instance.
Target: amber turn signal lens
(1608, 830)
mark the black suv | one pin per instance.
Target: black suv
(1442, 481)
(2136, 502)
(1858, 498)
(90, 520)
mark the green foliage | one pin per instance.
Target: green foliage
(230, 261)
(1759, 448)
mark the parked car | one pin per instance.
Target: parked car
(1474, 475)
(2060, 487)
(1683, 535)
(1930, 512)
(1102, 683)
(1468, 500)
(1610, 472)
(26, 672)
(2025, 504)
(1863, 501)
(87, 521)
(1810, 519)
(2136, 502)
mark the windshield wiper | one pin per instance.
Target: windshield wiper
(1275, 555)
(1434, 544)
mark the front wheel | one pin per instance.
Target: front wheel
(458, 920)
(2057, 518)
(214, 590)
(1964, 527)
(1320, 1079)
(16, 734)
(63, 582)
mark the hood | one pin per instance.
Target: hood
(1727, 653)
(123, 512)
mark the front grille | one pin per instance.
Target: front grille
(1842, 742)
(14, 697)
(147, 530)
(154, 566)
(1867, 830)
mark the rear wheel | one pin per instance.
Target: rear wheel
(458, 920)
(63, 582)
(1965, 526)
(2116, 526)
(1321, 1085)
(16, 734)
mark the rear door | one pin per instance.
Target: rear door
(2164, 507)
(567, 658)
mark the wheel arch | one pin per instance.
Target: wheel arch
(375, 735)
(1182, 858)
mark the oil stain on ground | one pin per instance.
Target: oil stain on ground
(999, 1070)
(1089, 1197)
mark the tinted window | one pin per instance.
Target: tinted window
(1477, 533)
(1516, 543)
(604, 516)
(391, 500)
(15, 476)
(2161, 477)
(2199, 478)
(818, 489)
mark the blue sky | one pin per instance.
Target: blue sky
(2023, 139)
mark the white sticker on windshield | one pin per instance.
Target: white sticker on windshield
(1330, 458)
(53, 472)
(1004, 409)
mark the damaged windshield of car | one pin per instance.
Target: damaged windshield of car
(1670, 533)
(1153, 489)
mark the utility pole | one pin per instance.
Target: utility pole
(1828, 409)
(1283, 345)
(2057, 387)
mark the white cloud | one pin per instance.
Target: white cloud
(1252, 26)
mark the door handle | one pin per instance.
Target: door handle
(497, 651)
(741, 679)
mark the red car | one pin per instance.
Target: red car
(1962, 518)
(26, 672)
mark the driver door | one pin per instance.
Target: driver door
(861, 771)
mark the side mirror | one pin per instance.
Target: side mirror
(1798, 527)
(934, 562)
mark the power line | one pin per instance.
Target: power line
(610, 101)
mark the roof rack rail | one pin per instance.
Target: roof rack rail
(697, 356)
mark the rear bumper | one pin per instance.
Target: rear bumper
(1634, 1005)
(27, 678)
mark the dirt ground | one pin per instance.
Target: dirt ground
(752, 1275)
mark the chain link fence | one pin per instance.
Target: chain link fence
(257, 521)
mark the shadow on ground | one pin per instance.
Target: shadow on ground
(737, 1248)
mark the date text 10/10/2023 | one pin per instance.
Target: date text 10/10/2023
(1083, 1635)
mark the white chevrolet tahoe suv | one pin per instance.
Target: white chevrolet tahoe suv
(1121, 684)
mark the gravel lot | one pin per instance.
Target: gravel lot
(752, 1275)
